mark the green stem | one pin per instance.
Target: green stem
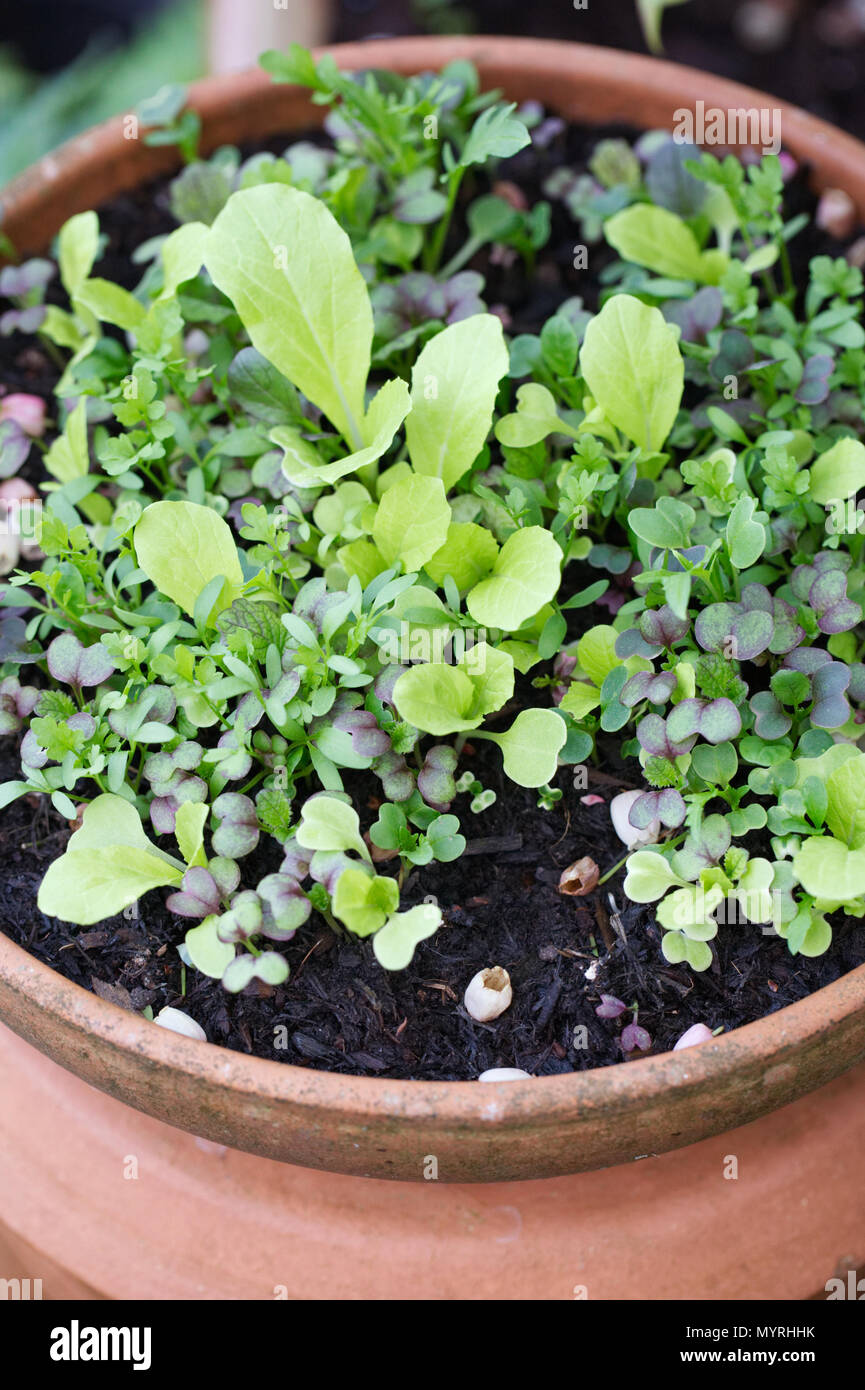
(436, 246)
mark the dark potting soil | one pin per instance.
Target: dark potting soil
(339, 1010)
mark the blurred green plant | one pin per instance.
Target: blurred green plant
(37, 114)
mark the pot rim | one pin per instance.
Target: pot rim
(34, 994)
(623, 1084)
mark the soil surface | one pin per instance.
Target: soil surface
(339, 1011)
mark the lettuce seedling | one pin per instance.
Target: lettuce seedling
(314, 515)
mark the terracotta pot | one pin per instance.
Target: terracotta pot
(793, 1206)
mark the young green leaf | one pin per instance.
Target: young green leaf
(661, 241)
(189, 826)
(496, 134)
(301, 463)
(531, 746)
(839, 473)
(182, 547)
(633, 367)
(69, 457)
(746, 538)
(524, 577)
(363, 901)
(182, 256)
(394, 945)
(649, 877)
(828, 870)
(111, 304)
(845, 797)
(108, 864)
(288, 268)
(454, 386)
(77, 244)
(412, 522)
(207, 953)
(468, 555)
(436, 698)
(442, 699)
(327, 823)
(535, 417)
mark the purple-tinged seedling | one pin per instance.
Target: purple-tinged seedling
(17, 702)
(237, 832)
(77, 666)
(435, 780)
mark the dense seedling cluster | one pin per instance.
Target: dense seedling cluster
(311, 512)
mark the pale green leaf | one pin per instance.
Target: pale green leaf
(491, 672)
(69, 457)
(182, 546)
(656, 238)
(395, 943)
(327, 823)
(649, 877)
(301, 463)
(596, 653)
(839, 473)
(288, 268)
(468, 554)
(108, 864)
(77, 244)
(207, 953)
(363, 901)
(436, 698)
(826, 868)
(189, 826)
(845, 790)
(746, 538)
(525, 576)
(454, 386)
(412, 522)
(531, 746)
(633, 367)
(183, 256)
(535, 417)
(110, 303)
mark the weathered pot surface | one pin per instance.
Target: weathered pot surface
(126, 1207)
(369, 1126)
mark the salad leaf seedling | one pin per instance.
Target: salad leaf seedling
(314, 515)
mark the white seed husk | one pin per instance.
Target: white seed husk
(505, 1074)
(488, 994)
(178, 1022)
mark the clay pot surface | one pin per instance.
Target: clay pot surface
(368, 1126)
(109, 1203)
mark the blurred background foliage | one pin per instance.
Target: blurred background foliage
(66, 64)
(76, 66)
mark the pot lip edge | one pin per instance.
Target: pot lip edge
(528, 55)
(764, 1042)
(717, 1058)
